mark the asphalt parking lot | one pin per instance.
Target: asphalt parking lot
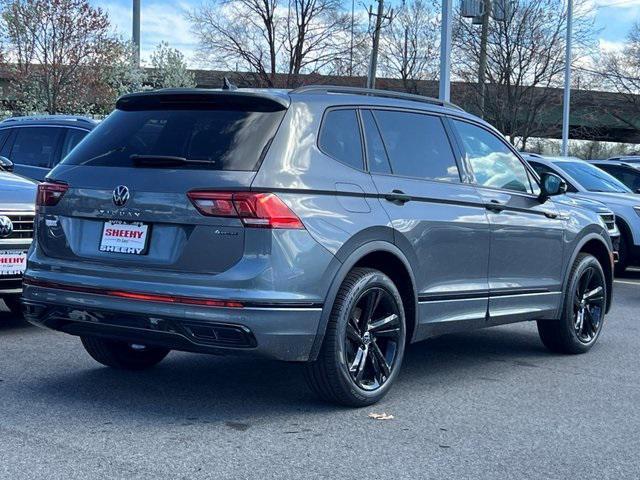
(488, 404)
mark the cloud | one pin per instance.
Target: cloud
(615, 3)
(160, 21)
(610, 46)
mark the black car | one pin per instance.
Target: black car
(627, 172)
(36, 144)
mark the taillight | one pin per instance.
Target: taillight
(263, 210)
(49, 194)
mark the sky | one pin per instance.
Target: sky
(163, 20)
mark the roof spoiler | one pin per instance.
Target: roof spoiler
(202, 99)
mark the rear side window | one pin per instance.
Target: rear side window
(35, 146)
(417, 145)
(340, 137)
(71, 139)
(222, 139)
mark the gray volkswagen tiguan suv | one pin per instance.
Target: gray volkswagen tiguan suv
(324, 225)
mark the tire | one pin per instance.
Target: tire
(13, 304)
(570, 334)
(121, 355)
(623, 255)
(377, 340)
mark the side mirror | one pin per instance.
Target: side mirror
(6, 165)
(551, 185)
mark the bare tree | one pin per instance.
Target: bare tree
(525, 61)
(240, 34)
(268, 37)
(410, 46)
(316, 32)
(56, 49)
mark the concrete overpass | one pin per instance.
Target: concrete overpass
(595, 115)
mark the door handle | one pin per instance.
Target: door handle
(494, 206)
(550, 214)
(397, 196)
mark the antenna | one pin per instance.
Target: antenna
(227, 85)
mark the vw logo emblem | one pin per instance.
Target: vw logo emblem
(120, 196)
(6, 226)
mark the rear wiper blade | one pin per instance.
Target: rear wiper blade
(166, 160)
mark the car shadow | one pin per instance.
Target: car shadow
(9, 321)
(226, 389)
(630, 274)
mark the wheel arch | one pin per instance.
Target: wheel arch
(596, 246)
(381, 255)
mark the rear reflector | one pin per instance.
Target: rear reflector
(146, 297)
(261, 210)
(49, 194)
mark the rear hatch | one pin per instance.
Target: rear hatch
(128, 181)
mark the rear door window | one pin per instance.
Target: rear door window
(35, 146)
(417, 145)
(376, 153)
(340, 137)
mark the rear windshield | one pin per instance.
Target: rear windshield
(225, 139)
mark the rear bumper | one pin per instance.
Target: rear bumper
(280, 332)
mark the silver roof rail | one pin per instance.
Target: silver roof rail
(374, 93)
(31, 118)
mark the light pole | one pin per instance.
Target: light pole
(482, 67)
(373, 63)
(445, 51)
(136, 31)
(567, 82)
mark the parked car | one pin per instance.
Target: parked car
(586, 181)
(627, 173)
(325, 225)
(36, 144)
(632, 159)
(17, 205)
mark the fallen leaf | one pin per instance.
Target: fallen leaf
(380, 416)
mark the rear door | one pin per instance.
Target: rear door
(127, 207)
(525, 266)
(437, 217)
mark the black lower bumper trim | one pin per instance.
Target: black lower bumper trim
(176, 334)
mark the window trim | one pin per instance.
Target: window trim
(528, 168)
(359, 124)
(452, 145)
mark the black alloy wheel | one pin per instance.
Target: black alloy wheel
(364, 343)
(588, 304)
(372, 339)
(583, 312)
